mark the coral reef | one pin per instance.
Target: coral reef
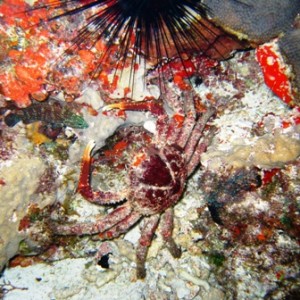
(237, 222)
(271, 151)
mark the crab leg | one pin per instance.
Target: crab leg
(166, 129)
(167, 224)
(200, 148)
(179, 127)
(187, 128)
(144, 244)
(189, 121)
(165, 133)
(84, 185)
(99, 226)
(162, 131)
(197, 133)
(120, 227)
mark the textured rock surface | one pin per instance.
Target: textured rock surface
(21, 180)
(257, 21)
(289, 46)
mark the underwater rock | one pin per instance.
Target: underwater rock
(21, 180)
(268, 151)
(289, 46)
(221, 190)
(257, 21)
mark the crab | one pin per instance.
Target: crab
(156, 178)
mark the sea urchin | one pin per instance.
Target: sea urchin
(153, 29)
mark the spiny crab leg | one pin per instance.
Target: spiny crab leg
(84, 185)
(199, 150)
(165, 133)
(167, 225)
(189, 120)
(99, 226)
(121, 227)
(144, 243)
(197, 133)
(147, 233)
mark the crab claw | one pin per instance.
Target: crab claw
(120, 105)
(84, 181)
(84, 185)
(149, 105)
